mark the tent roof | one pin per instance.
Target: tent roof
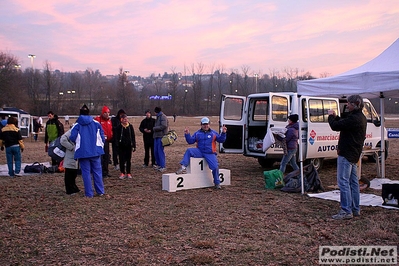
(380, 75)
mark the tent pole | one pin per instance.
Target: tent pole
(382, 115)
(301, 146)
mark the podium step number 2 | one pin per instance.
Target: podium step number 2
(198, 176)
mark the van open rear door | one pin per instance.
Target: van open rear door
(232, 115)
(24, 124)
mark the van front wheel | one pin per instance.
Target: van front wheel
(317, 163)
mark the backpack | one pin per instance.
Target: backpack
(312, 182)
(169, 138)
(55, 150)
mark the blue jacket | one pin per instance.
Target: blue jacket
(88, 136)
(206, 140)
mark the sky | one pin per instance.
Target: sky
(157, 36)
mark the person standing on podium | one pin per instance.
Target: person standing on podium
(206, 139)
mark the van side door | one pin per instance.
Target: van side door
(321, 141)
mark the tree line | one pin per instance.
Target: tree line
(194, 91)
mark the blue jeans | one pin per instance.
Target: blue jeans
(210, 158)
(290, 157)
(13, 153)
(159, 153)
(348, 184)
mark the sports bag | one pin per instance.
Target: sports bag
(169, 138)
(273, 179)
(35, 168)
(56, 151)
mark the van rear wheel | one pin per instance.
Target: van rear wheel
(317, 163)
(266, 163)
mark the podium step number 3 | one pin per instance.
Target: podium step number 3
(198, 176)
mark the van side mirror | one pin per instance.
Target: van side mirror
(377, 122)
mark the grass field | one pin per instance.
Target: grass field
(139, 224)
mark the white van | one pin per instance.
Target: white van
(247, 120)
(24, 119)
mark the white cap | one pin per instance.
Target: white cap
(205, 120)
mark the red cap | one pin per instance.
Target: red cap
(105, 109)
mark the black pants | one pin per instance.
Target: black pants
(125, 157)
(105, 158)
(115, 153)
(149, 146)
(70, 181)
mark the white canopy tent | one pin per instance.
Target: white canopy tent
(376, 78)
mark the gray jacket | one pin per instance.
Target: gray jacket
(69, 161)
(161, 126)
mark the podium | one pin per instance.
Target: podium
(198, 176)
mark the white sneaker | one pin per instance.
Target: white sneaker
(160, 169)
(116, 167)
(182, 170)
(17, 174)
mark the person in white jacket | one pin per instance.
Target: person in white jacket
(70, 164)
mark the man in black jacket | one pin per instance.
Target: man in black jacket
(146, 127)
(116, 121)
(350, 145)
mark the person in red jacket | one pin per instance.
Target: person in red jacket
(106, 124)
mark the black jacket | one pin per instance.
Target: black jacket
(352, 134)
(147, 123)
(116, 121)
(125, 137)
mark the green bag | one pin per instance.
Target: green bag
(274, 179)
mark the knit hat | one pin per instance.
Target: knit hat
(147, 111)
(105, 109)
(157, 109)
(120, 112)
(84, 110)
(294, 118)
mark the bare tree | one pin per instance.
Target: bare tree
(219, 79)
(91, 85)
(209, 102)
(197, 84)
(173, 85)
(125, 91)
(245, 85)
(50, 86)
(9, 77)
(292, 76)
(325, 75)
